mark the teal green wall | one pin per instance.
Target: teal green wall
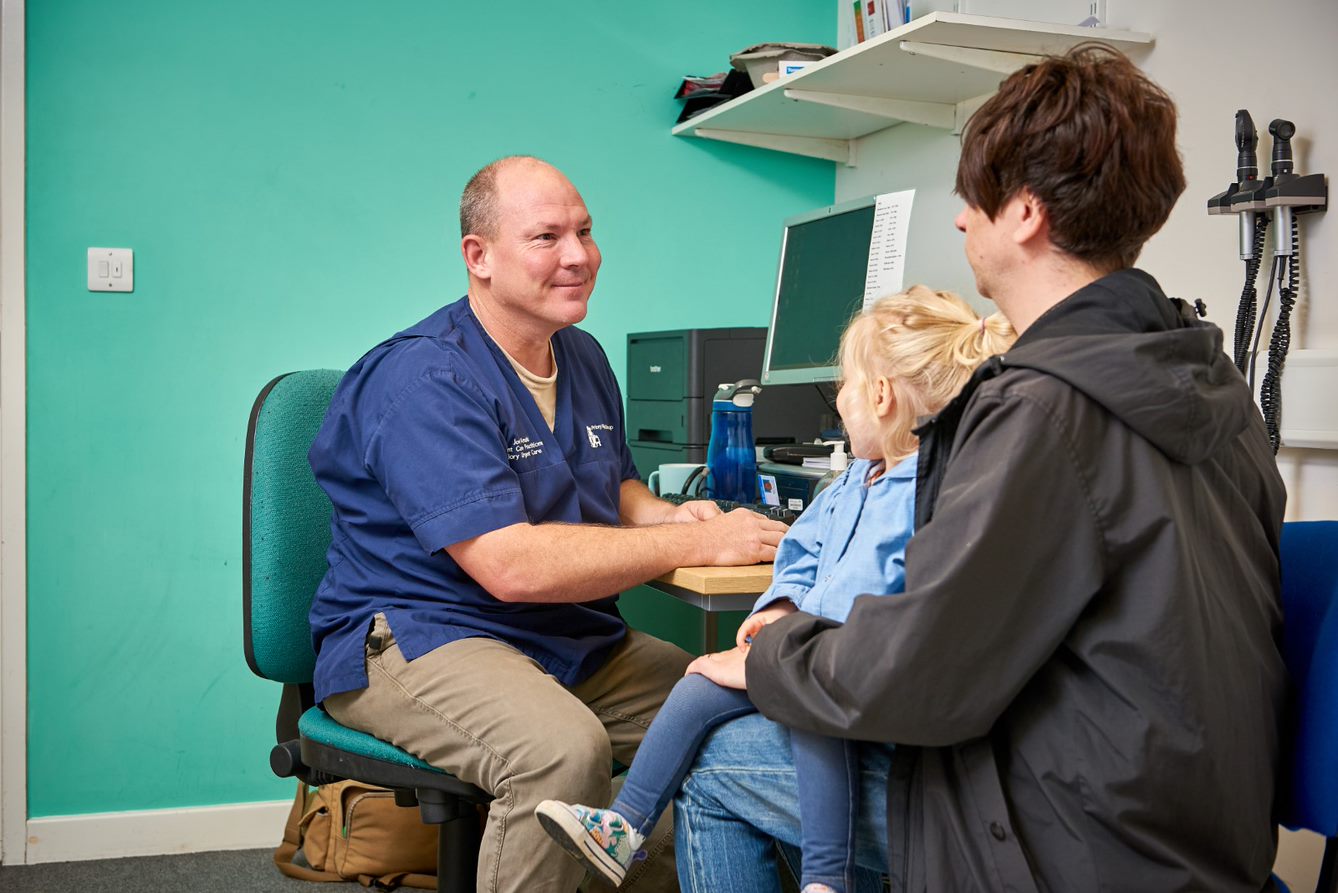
(286, 174)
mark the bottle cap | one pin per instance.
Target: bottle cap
(733, 390)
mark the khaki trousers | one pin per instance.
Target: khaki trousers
(491, 716)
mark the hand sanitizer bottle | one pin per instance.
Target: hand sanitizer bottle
(840, 461)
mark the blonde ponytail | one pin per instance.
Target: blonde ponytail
(980, 338)
(926, 343)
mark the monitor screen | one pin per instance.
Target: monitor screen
(819, 287)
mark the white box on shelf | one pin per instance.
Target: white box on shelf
(761, 60)
(1064, 12)
(918, 8)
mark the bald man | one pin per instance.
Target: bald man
(486, 514)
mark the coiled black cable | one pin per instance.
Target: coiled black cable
(1270, 389)
(1274, 272)
(1246, 313)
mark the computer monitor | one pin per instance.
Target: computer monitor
(820, 285)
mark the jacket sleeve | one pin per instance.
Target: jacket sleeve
(1011, 557)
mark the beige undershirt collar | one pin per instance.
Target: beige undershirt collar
(542, 388)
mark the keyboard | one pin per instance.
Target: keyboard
(774, 512)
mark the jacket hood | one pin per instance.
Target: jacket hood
(1146, 359)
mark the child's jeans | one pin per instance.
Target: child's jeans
(827, 770)
(741, 797)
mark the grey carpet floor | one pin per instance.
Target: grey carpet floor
(238, 871)
(251, 871)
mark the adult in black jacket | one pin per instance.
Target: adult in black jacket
(1082, 681)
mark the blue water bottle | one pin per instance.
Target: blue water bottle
(730, 457)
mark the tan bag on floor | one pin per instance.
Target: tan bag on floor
(353, 831)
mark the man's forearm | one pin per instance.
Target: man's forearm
(580, 562)
(638, 506)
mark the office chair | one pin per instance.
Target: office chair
(1308, 790)
(285, 535)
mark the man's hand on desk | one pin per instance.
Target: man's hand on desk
(696, 510)
(739, 537)
(711, 537)
(724, 668)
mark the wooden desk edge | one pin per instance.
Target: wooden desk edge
(751, 579)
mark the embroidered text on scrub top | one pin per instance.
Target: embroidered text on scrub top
(524, 448)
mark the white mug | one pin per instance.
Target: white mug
(672, 476)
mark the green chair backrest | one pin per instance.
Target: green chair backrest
(285, 525)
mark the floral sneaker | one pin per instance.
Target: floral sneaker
(600, 839)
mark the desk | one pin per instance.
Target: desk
(715, 589)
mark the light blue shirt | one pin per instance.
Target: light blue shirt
(850, 542)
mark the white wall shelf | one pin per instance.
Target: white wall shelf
(934, 71)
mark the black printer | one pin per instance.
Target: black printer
(672, 376)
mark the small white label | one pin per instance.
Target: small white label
(788, 67)
(654, 368)
(794, 505)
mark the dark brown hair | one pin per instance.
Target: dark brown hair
(1092, 138)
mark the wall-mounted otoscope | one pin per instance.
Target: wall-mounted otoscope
(1278, 197)
(1289, 195)
(1245, 198)
(1289, 192)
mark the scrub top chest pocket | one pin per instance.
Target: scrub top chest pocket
(597, 464)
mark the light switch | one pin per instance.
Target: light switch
(111, 269)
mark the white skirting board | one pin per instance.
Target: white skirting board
(156, 832)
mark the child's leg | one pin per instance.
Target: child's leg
(607, 840)
(694, 707)
(827, 773)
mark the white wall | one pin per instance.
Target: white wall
(1199, 59)
(910, 156)
(1195, 255)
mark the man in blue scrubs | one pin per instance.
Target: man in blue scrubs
(487, 512)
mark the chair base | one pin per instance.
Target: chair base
(442, 799)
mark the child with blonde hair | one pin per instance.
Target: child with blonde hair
(903, 358)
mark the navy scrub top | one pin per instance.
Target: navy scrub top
(432, 439)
